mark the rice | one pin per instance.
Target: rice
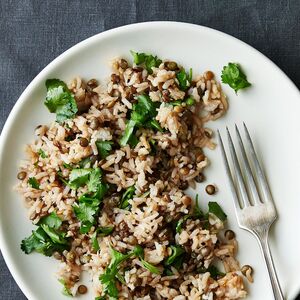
(160, 166)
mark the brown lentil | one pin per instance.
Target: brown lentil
(115, 78)
(83, 142)
(82, 289)
(200, 157)
(200, 178)
(171, 65)
(229, 234)
(57, 255)
(116, 93)
(94, 124)
(183, 185)
(184, 170)
(210, 189)
(186, 200)
(92, 83)
(22, 175)
(209, 75)
(123, 64)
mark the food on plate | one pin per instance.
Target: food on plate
(105, 185)
(233, 75)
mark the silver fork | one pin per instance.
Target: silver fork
(255, 214)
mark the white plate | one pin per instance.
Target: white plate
(270, 108)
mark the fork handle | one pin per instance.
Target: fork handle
(262, 237)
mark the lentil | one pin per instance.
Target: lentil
(200, 178)
(82, 289)
(210, 189)
(94, 124)
(83, 142)
(115, 78)
(123, 64)
(229, 234)
(22, 175)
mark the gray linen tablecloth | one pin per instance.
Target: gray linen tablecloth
(33, 33)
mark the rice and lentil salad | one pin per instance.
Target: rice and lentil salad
(104, 184)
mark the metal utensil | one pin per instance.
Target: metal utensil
(254, 206)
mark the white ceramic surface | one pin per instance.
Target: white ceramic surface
(270, 108)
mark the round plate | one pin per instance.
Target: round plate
(270, 108)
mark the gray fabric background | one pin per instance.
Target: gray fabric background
(33, 33)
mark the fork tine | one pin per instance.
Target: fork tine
(248, 171)
(260, 173)
(237, 169)
(228, 173)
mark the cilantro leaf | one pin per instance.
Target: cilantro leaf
(95, 179)
(108, 278)
(184, 79)
(52, 220)
(149, 60)
(46, 239)
(233, 75)
(215, 208)
(198, 213)
(101, 231)
(214, 272)
(65, 291)
(34, 183)
(42, 154)
(142, 115)
(128, 195)
(79, 177)
(177, 251)
(128, 133)
(181, 222)
(59, 100)
(150, 267)
(104, 147)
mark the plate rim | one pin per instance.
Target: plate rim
(77, 48)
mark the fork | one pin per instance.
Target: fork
(254, 207)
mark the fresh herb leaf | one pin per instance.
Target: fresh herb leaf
(100, 298)
(101, 231)
(215, 208)
(128, 133)
(83, 163)
(46, 239)
(108, 278)
(142, 115)
(233, 75)
(67, 166)
(128, 195)
(79, 177)
(150, 267)
(42, 154)
(198, 213)
(214, 272)
(183, 79)
(181, 222)
(60, 100)
(34, 183)
(105, 230)
(65, 291)
(138, 58)
(104, 147)
(177, 251)
(61, 178)
(52, 220)
(138, 251)
(95, 179)
(55, 236)
(190, 101)
(149, 60)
